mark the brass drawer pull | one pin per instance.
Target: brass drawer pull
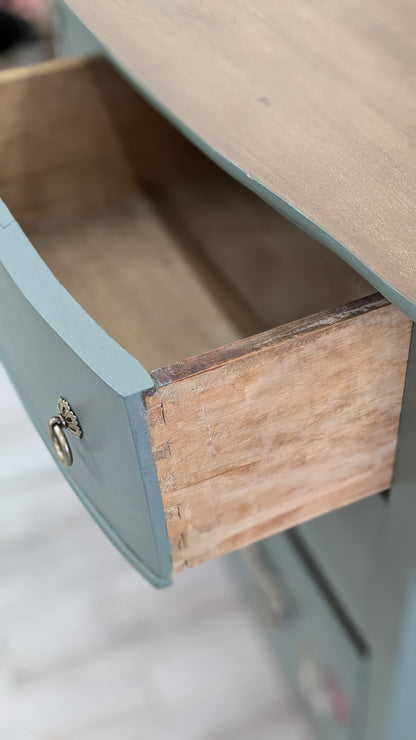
(67, 419)
(59, 440)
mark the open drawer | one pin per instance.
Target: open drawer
(264, 427)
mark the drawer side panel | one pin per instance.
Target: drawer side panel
(266, 433)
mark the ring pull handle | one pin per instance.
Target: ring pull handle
(59, 440)
(57, 425)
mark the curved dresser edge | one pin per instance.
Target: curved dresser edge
(126, 377)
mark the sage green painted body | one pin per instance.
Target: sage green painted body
(52, 348)
(313, 637)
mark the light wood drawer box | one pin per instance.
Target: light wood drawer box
(264, 427)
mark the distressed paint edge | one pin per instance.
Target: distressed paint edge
(137, 415)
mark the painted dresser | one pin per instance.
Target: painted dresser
(222, 208)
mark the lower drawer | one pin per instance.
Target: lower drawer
(129, 231)
(349, 545)
(325, 659)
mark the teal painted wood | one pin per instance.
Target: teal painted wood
(313, 631)
(52, 348)
(74, 39)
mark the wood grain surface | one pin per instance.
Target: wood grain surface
(269, 432)
(74, 134)
(171, 256)
(313, 101)
(189, 266)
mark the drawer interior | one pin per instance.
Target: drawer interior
(170, 255)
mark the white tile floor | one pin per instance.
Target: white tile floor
(90, 651)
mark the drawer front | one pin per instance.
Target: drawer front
(52, 348)
(326, 662)
(348, 545)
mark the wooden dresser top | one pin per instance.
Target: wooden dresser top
(312, 105)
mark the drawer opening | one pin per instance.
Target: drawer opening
(169, 254)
